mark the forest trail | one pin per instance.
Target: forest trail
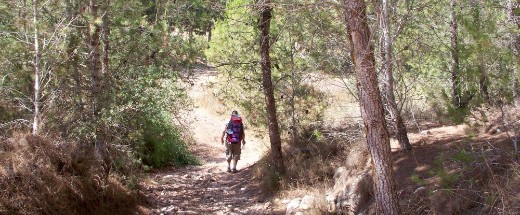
(208, 189)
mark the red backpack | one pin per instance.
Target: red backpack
(235, 129)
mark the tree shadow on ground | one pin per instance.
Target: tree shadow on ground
(417, 165)
(191, 191)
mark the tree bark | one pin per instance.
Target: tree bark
(97, 87)
(455, 84)
(386, 56)
(274, 133)
(376, 134)
(105, 69)
(105, 33)
(294, 83)
(513, 12)
(36, 63)
(95, 59)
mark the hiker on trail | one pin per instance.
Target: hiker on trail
(234, 133)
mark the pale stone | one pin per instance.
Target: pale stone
(307, 202)
(293, 206)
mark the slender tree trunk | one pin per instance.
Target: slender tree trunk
(105, 69)
(376, 134)
(23, 14)
(386, 56)
(36, 63)
(274, 133)
(105, 33)
(294, 129)
(95, 59)
(96, 69)
(513, 12)
(209, 32)
(455, 85)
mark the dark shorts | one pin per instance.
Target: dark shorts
(233, 151)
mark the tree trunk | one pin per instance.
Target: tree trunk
(377, 136)
(105, 33)
(95, 59)
(294, 83)
(513, 12)
(455, 85)
(96, 69)
(36, 64)
(386, 56)
(105, 69)
(274, 133)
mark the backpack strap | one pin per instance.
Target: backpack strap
(229, 125)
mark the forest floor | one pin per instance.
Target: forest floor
(429, 145)
(209, 189)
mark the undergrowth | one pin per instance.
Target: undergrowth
(311, 164)
(43, 177)
(309, 161)
(475, 178)
(159, 143)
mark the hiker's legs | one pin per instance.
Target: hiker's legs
(229, 165)
(236, 155)
(229, 156)
(235, 161)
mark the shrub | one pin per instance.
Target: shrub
(160, 144)
(270, 179)
(42, 177)
(141, 120)
(308, 161)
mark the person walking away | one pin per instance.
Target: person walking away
(234, 133)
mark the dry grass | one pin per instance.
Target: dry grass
(311, 164)
(489, 188)
(41, 177)
(480, 175)
(510, 186)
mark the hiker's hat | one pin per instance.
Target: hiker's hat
(234, 113)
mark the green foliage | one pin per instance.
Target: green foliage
(455, 115)
(423, 55)
(295, 56)
(160, 144)
(234, 38)
(447, 180)
(491, 198)
(317, 134)
(464, 157)
(150, 45)
(417, 179)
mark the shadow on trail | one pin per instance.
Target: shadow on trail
(206, 154)
(191, 191)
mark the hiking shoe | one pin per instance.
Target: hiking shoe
(228, 169)
(235, 170)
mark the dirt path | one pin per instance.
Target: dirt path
(208, 189)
